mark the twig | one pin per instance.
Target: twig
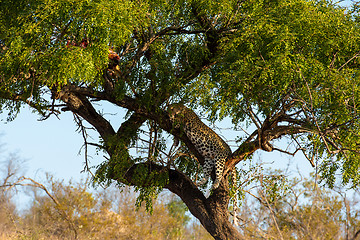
(84, 134)
(355, 56)
(303, 151)
(286, 152)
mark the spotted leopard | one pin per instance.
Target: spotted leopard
(209, 144)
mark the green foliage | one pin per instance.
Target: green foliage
(147, 195)
(283, 45)
(274, 186)
(300, 51)
(116, 166)
(43, 35)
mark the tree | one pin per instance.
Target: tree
(281, 69)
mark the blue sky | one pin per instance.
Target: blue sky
(47, 146)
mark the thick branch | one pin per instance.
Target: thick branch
(178, 183)
(249, 147)
(129, 128)
(79, 104)
(211, 212)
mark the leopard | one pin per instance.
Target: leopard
(206, 141)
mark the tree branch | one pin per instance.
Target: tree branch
(206, 210)
(79, 104)
(249, 147)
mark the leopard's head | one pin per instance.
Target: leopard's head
(177, 114)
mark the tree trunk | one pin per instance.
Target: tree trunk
(212, 212)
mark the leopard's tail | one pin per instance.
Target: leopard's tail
(235, 199)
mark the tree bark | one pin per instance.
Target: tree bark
(212, 212)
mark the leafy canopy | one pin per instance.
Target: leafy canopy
(247, 60)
